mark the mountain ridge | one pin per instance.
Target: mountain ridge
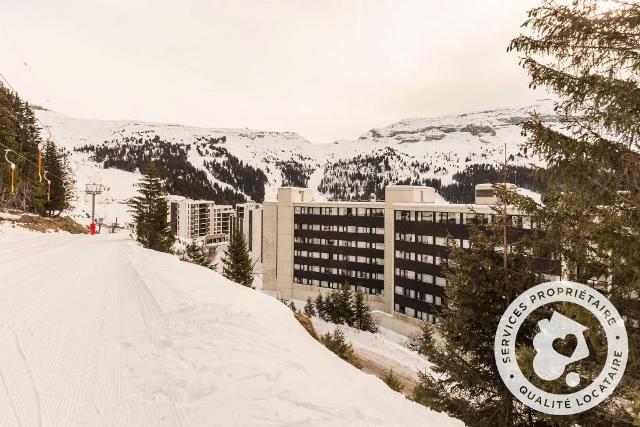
(230, 165)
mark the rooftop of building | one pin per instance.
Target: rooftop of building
(410, 197)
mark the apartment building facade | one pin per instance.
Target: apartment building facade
(201, 220)
(392, 250)
(248, 216)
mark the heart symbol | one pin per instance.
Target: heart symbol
(565, 346)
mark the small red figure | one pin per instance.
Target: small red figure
(92, 228)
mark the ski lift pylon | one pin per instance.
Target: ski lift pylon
(13, 166)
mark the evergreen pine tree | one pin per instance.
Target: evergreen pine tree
(466, 383)
(393, 382)
(336, 343)
(309, 309)
(237, 265)
(150, 212)
(362, 318)
(55, 200)
(320, 307)
(332, 308)
(344, 306)
(20, 133)
(588, 55)
(196, 254)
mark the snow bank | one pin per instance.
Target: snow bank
(95, 330)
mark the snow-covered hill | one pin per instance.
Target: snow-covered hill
(95, 330)
(229, 165)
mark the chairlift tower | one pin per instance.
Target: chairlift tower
(93, 190)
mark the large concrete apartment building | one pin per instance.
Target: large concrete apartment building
(392, 250)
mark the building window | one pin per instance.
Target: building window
(424, 278)
(426, 216)
(403, 216)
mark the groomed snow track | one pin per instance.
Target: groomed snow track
(97, 331)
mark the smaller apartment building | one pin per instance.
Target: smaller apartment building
(201, 220)
(392, 250)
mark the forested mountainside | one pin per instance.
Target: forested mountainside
(451, 153)
(361, 176)
(358, 177)
(182, 178)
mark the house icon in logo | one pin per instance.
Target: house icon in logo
(548, 364)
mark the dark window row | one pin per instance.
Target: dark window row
(338, 242)
(464, 218)
(344, 272)
(338, 257)
(421, 277)
(339, 211)
(418, 295)
(426, 312)
(326, 280)
(339, 228)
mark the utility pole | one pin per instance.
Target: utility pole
(93, 190)
(505, 252)
(504, 206)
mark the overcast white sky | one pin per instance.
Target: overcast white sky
(327, 69)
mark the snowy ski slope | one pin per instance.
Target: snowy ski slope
(98, 331)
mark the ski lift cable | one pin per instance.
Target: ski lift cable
(35, 116)
(39, 145)
(29, 72)
(77, 170)
(48, 128)
(39, 164)
(25, 159)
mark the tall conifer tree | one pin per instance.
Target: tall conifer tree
(19, 132)
(150, 212)
(56, 200)
(362, 318)
(588, 54)
(237, 265)
(466, 384)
